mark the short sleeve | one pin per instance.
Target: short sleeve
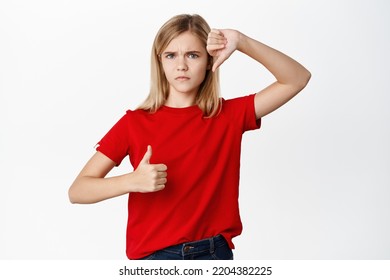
(251, 123)
(242, 112)
(114, 144)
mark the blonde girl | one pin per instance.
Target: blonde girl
(184, 143)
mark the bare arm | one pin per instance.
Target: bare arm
(91, 186)
(291, 77)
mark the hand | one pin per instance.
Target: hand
(221, 43)
(150, 177)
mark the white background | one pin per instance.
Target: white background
(314, 180)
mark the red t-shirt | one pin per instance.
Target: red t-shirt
(200, 199)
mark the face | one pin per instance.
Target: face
(185, 63)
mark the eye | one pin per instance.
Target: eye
(193, 55)
(170, 56)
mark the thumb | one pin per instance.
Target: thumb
(218, 62)
(147, 155)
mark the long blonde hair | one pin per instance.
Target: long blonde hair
(207, 98)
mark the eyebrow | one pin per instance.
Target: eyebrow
(170, 52)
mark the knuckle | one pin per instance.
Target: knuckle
(152, 172)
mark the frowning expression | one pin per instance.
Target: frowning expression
(185, 62)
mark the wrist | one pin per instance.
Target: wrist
(129, 182)
(242, 41)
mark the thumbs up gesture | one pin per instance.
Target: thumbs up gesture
(150, 177)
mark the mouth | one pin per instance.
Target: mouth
(182, 78)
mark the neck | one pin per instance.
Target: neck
(180, 100)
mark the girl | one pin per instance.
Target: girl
(184, 144)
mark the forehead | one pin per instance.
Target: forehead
(184, 42)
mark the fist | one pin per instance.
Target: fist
(221, 43)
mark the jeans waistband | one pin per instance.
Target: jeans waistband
(194, 247)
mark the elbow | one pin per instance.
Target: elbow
(305, 78)
(301, 82)
(79, 195)
(71, 196)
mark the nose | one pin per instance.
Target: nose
(181, 64)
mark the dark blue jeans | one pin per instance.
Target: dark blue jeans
(215, 248)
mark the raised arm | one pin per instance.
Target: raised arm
(91, 186)
(291, 77)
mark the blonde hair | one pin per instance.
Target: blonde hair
(207, 98)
